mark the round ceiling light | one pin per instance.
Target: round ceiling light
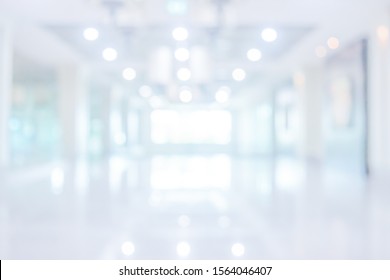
(110, 54)
(254, 55)
(91, 34)
(180, 34)
(129, 74)
(269, 34)
(182, 54)
(239, 74)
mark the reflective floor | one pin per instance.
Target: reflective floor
(192, 207)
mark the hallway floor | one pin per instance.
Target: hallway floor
(192, 207)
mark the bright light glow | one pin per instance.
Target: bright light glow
(185, 96)
(184, 221)
(333, 43)
(222, 95)
(128, 248)
(383, 33)
(57, 180)
(238, 250)
(254, 55)
(91, 34)
(110, 54)
(182, 173)
(145, 91)
(182, 54)
(183, 249)
(269, 34)
(129, 74)
(239, 74)
(184, 74)
(320, 51)
(180, 34)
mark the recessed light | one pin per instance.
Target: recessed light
(180, 34)
(269, 34)
(110, 54)
(239, 74)
(254, 55)
(129, 74)
(91, 34)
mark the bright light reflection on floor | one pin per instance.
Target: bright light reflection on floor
(128, 248)
(183, 249)
(57, 180)
(194, 172)
(184, 221)
(238, 250)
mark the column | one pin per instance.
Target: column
(73, 107)
(378, 99)
(5, 90)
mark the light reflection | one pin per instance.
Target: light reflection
(184, 221)
(199, 172)
(118, 167)
(128, 248)
(82, 178)
(238, 250)
(57, 180)
(183, 249)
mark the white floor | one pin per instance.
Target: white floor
(194, 207)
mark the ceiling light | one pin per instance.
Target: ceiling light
(91, 34)
(185, 96)
(110, 54)
(184, 74)
(320, 51)
(238, 250)
(180, 34)
(269, 34)
(254, 55)
(222, 95)
(239, 74)
(382, 33)
(333, 43)
(129, 74)
(299, 79)
(183, 249)
(182, 54)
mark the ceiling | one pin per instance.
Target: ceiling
(50, 32)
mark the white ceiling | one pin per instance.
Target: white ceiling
(48, 30)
